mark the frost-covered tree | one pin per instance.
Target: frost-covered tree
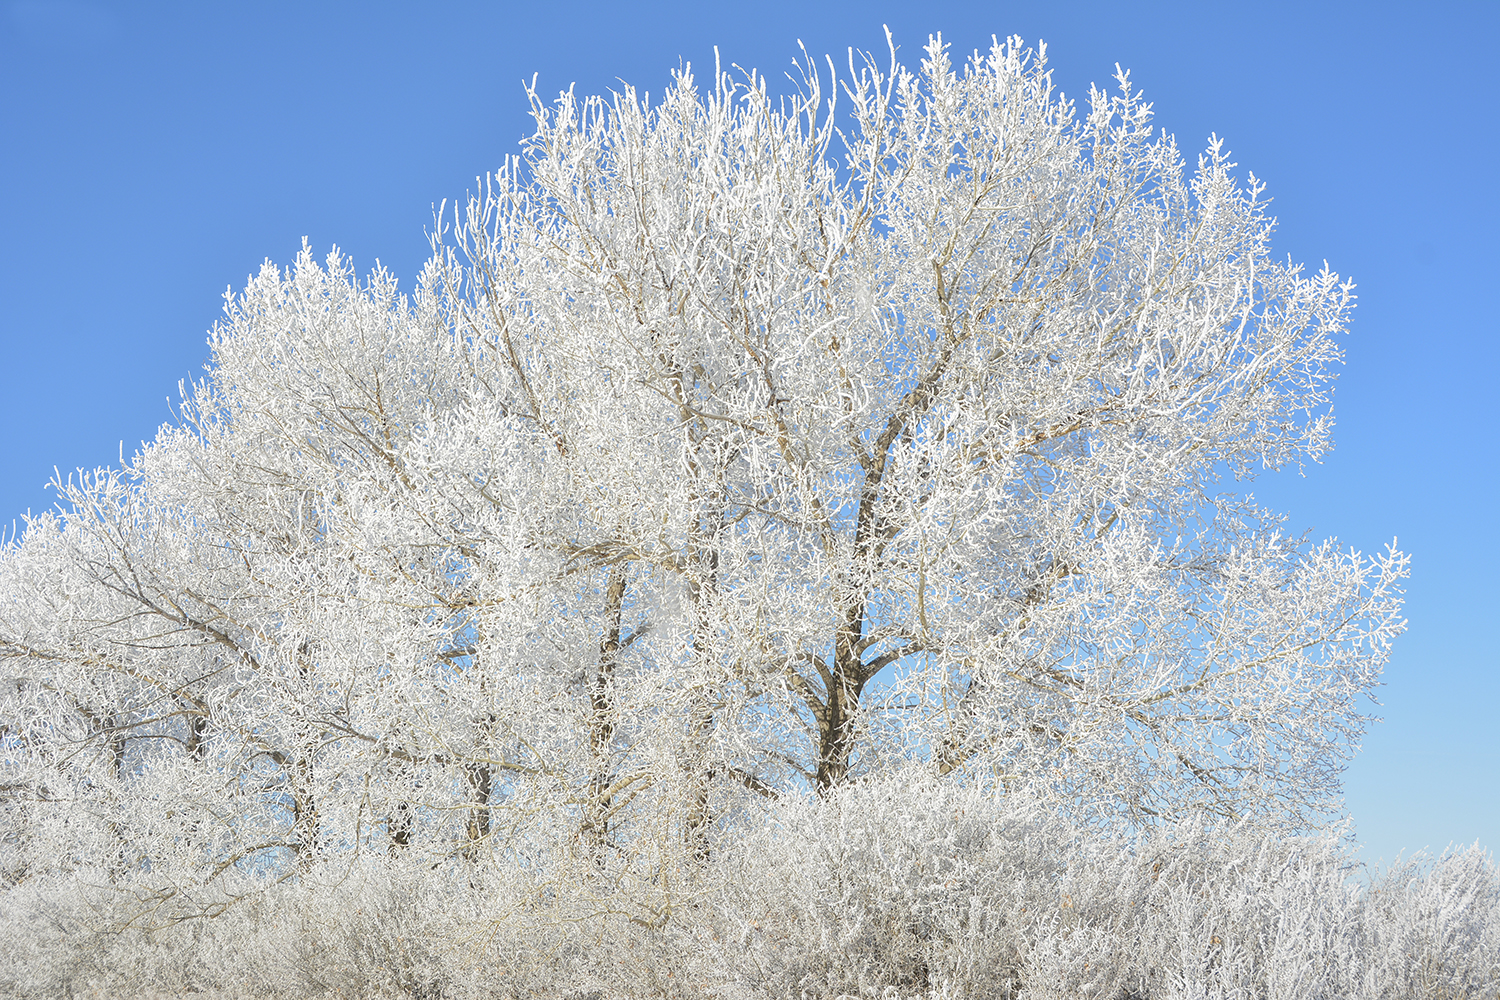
(727, 449)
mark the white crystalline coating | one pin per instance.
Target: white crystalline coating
(728, 454)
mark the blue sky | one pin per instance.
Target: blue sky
(153, 154)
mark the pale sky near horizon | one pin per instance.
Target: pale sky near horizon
(153, 154)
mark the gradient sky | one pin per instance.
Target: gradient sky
(154, 154)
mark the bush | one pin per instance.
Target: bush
(888, 889)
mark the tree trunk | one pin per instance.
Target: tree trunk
(399, 825)
(595, 828)
(480, 777)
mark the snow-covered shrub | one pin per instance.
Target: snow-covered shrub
(892, 884)
(909, 885)
(902, 887)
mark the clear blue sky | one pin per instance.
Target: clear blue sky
(152, 154)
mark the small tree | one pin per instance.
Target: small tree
(723, 451)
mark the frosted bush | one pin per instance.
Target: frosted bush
(901, 887)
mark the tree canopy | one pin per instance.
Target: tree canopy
(728, 448)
